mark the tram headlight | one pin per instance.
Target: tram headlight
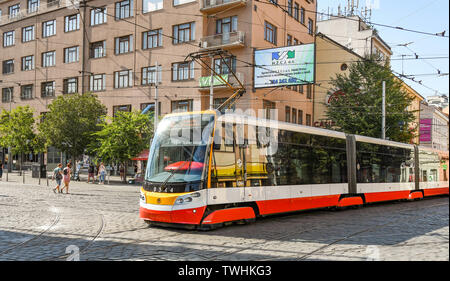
(180, 201)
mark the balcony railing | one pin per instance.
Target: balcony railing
(212, 6)
(51, 5)
(226, 40)
(205, 81)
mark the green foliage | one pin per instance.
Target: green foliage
(17, 129)
(71, 122)
(124, 137)
(359, 110)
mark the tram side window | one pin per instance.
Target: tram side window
(308, 159)
(383, 164)
(223, 166)
(429, 164)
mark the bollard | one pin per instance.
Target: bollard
(7, 174)
(23, 177)
(46, 177)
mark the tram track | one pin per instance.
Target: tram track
(289, 234)
(372, 228)
(88, 244)
(35, 237)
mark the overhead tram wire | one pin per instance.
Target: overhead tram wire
(439, 34)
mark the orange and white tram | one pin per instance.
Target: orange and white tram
(205, 169)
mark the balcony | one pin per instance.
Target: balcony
(51, 5)
(228, 40)
(214, 6)
(205, 81)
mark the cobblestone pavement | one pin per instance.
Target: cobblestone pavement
(101, 222)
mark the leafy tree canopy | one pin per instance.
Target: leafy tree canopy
(359, 109)
(71, 121)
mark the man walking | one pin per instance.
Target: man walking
(57, 175)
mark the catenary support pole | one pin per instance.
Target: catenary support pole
(383, 117)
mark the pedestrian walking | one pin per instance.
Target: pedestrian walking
(102, 172)
(1, 170)
(91, 171)
(57, 175)
(66, 173)
(122, 172)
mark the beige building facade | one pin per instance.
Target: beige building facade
(51, 48)
(121, 50)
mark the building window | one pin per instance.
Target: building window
(151, 108)
(152, 5)
(302, 15)
(14, 11)
(182, 106)
(219, 101)
(26, 92)
(49, 28)
(124, 44)
(48, 59)
(121, 108)
(300, 89)
(98, 16)
(183, 33)
(7, 94)
(309, 91)
(182, 71)
(270, 33)
(48, 89)
(269, 108)
(8, 66)
(70, 85)
(310, 26)
(181, 2)
(123, 79)
(8, 38)
(98, 83)
(149, 75)
(295, 41)
(71, 54)
(28, 33)
(124, 9)
(222, 66)
(308, 119)
(28, 63)
(152, 39)
(300, 117)
(72, 23)
(296, 11)
(289, 40)
(288, 114)
(294, 116)
(226, 25)
(33, 6)
(289, 7)
(98, 49)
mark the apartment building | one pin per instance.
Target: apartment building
(113, 48)
(121, 50)
(355, 34)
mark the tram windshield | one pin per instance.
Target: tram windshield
(178, 151)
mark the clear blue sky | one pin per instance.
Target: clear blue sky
(423, 15)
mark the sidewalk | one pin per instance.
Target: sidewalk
(14, 177)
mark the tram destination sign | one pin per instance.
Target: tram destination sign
(285, 66)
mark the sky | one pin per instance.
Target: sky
(423, 15)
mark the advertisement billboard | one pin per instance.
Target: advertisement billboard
(425, 130)
(285, 66)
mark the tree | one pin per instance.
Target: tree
(125, 137)
(17, 130)
(358, 109)
(71, 122)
